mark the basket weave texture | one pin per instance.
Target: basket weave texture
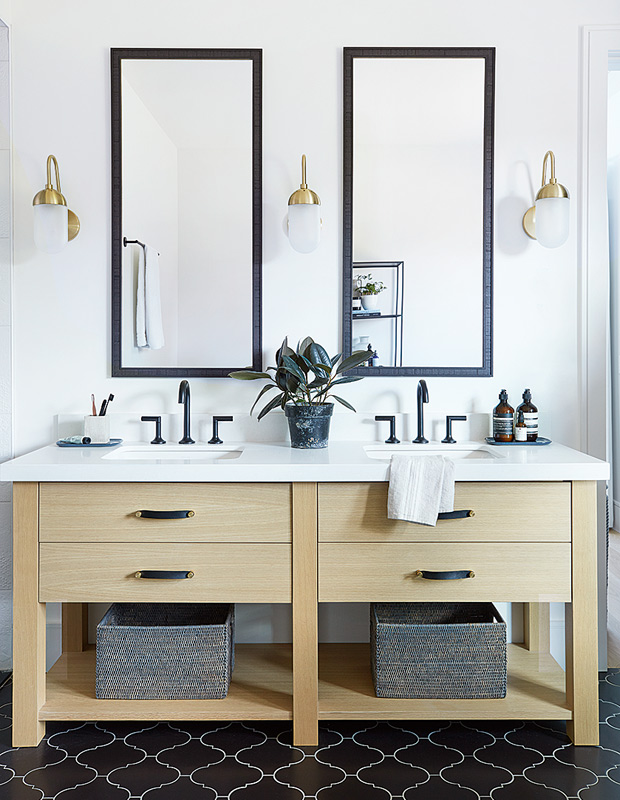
(438, 650)
(165, 651)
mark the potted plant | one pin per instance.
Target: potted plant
(304, 379)
(369, 290)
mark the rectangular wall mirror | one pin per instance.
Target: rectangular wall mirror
(186, 182)
(418, 209)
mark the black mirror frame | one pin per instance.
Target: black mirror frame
(488, 54)
(117, 55)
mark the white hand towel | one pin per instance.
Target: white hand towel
(149, 326)
(140, 302)
(152, 299)
(420, 488)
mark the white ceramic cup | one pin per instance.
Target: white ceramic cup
(98, 429)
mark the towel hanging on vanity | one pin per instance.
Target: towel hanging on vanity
(421, 487)
(149, 326)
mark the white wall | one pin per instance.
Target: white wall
(6, 595)
(61, 105)
(150, 199)
(62, 303)
(215, 259)
(430, 217)
(613, 185)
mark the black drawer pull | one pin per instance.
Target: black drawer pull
(456, 514)
(165, 514)
(455, 575)
(164, 574)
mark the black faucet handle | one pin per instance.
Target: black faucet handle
(215, 439)
(157, 421)
(449, 421)
(392, 421)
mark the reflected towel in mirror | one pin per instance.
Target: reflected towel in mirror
(421, 487)
(149, 327)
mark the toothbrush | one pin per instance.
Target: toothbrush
(94, 409)
(105, 404)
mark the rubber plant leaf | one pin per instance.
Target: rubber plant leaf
(273, 403)
(292, 367)
(348, 379)
(354, 360)
(248, 375)
(344, 402)
(263, 391)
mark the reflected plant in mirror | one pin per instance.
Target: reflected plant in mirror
(418, 205)
(186, 196)
(369, 290)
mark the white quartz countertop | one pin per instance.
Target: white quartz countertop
(278, 462)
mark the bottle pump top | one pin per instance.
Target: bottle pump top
(527, 395)
(503, 396)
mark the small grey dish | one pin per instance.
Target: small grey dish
(67, 443)
(541, 441)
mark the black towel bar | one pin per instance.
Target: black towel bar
(127, 241)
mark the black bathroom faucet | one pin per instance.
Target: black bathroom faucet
(422, 398)
(184, 398)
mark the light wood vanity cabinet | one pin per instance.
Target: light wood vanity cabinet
(221, 512)
(231, 573)
(235, 542)
(516, 542)
(301, 543)
(503, 512)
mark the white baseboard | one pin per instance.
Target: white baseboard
(53, 643)
(615, 513)
(556, 636)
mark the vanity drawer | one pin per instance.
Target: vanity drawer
(223, 573)
(510, 572)
(222, 512)
(524, 512)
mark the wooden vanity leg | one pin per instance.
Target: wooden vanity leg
(74, 627)
(536, 627)
(581, 620)
(28, 619)
(305, 615)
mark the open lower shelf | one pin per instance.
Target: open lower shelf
(536, 690)
(261, 688)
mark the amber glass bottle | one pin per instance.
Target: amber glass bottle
(530, 415)
(503, 419)
(520, 428)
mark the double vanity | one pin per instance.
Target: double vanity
(269, 524)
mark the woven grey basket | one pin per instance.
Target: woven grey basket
(438, 650)
(165, 651)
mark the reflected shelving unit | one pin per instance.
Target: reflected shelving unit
(388, 335)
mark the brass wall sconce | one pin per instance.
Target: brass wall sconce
(548, 220)
(304, 216)
(54, 223)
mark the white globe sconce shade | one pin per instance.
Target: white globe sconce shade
(54, 223)
(552, 218)
(304, 227)
(548, 219)
(304, 216)
(51, 227)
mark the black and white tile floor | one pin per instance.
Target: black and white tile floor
(354, 760)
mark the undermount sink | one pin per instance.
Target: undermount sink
(154, 453)
(466, 451)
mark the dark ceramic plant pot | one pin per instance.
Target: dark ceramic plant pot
(309, 425)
